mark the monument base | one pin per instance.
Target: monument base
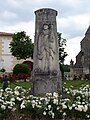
(45, 84)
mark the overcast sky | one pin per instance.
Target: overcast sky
(72, 21)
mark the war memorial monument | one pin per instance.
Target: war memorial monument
(46, 75)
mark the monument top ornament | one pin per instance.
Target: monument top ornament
(46, 75)
(44, 11)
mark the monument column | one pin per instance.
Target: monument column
(46, 76)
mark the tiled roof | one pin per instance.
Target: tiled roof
(6, 34)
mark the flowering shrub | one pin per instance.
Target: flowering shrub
(20, 76)
(75, 105)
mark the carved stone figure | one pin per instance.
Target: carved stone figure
(46, 50)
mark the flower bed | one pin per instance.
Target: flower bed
(20, 105)
(15, 77)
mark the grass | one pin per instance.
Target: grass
(25, 85)
(66, 83)
(75, 83)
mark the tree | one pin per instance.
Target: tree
(62, 44)
(21, 46)
(62, 53)
(66, 68)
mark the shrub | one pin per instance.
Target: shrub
(20, 68)
(2, 70)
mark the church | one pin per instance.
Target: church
(7, 61)
(82, 65)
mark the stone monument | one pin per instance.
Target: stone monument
(46, 76)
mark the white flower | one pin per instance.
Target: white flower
(58, 108)
(13, 109)
(79, 108)
(1, 94)
(1, 100)
(38, 106)
(64, 106)
(48, 94)
(55, 101)
(33, 101)
(83, 103)
(53, 115)
(44, 113)
(68, 92)
(12, 103)
(50, 112)
(88, 116)
(79, 98)
(28, 100)
(85, 108)
(1, 90)
(79, 103)
(73, 105)
(9, 107)
(33, 105)
(18, 87)
(55, 94)
(64, 114)
(70, 108)
(12, 99)
(49, 107)
(64, 83)
(17, 93)
(3, 107)
(40, 103)
(41, 99)
(66, 89)
(22, 106)
(86, 94)
(19, 99)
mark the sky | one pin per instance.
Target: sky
(73, 19)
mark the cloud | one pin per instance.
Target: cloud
(18, 11)
(73, 26)
(73, 48)
(72, 19)
(23, 26)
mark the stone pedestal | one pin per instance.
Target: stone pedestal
(46, 76)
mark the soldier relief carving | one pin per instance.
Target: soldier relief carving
(46, 47)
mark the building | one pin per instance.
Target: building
(82, 65)
(7, 61)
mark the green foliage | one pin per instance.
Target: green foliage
(20, 68)
(62, 53)
(2, 70)
(62, 44)
(21, 46)
(66, 68)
